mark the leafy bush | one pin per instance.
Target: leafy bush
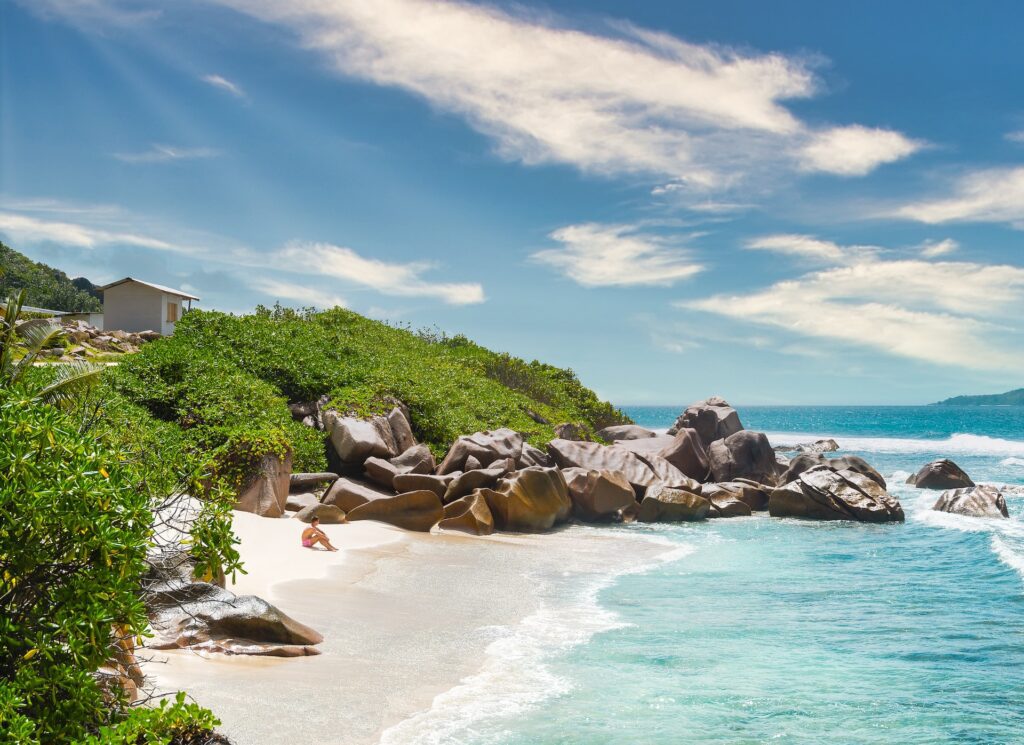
(164, 724)
(46, 287)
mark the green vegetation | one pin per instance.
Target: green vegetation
(1010, 398)
(45, 286)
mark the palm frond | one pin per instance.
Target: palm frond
(70, 381)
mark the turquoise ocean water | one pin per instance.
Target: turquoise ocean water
(759, 630)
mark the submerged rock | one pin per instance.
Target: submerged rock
(663, 504)
(941, 474)
(823, 493)
(532, 499)
(975, 501)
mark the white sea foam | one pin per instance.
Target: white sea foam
(1012, 558)
(958, 444)
(515, 675)
(1019, 462)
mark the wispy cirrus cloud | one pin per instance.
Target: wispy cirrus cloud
(625, 101)
(798, 245)
(1015, 136)
(987, 195)
(598, 255)
(387, 278)
(304, 293)
(962, 314)
(168, 154)
(28, 229)
(222, 83)
(934, 249)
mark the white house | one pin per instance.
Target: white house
(133, 305)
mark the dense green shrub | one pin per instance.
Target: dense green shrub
(45, 286)
(177, 722)
(74, 528)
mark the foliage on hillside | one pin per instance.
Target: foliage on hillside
(222, 378)
(46, 287)
(1010, 398)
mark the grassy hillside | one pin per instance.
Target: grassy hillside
(225, 381)
(1010, 398)
(46, 287)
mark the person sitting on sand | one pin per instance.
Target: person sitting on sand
(313, 535)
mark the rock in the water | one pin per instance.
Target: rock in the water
(401, 430)
(600, 496)
(713, 419)
(298, 502)
(822, 493)
(347, 494)
(593, 456)
(304, 482)
(406, 482)
(754, 494)
(746, 455)
(486, 447)
(418, 510)
(470, 481)
(625, 432)
(266, 492)
(941, 474)
(807, 461)
(687, 454)
(726, 497)
(663, 504)
(354, 440)
(532, 499)
(569, 431)
(469, 514)
(975, 501)
(328, 514)
(199, 615)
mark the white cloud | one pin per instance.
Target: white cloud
(624, 102)
(798, 245)
(855, 150)
(385, 277)
(167, 154)
(950, 313)
(596, 255)
(991, 195)
(933, 249)
(1017, 136)
(303, 293)
(218, 81)
(27, 229)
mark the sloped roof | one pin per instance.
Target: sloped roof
(168, 290)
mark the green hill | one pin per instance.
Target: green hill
(1010, 398)
(46, 287)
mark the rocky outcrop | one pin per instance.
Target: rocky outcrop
(595, 457)
(469, 514)
(415, 459)
(328, 514)
(807, 461)
(347, 494)
(600, 496)
(723, 497)
(533, 457)
(663, 504)
(418, 511)
(469, 481)
(941, 474)
(823, 493)
(687, 453)
(975, 501)
(625, 432)
(746, 455)
(713, 419)
(486, 447)
(354, 440)
(199, 615)
(532, 499)
(401, 430)
(407, 482)
(306, 482)
(266, 491)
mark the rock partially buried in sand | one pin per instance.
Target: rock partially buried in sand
(199, 615)
(941, 474)
(662, 504)
(822, 493)
(297, 502)
(407, 482)
(600, 496)
(418, 511)
(625, 432)
(746, 455)
(328, 514)
(486, 447)
(469, 514)
(532, 499)
(266, 492)
(975, 501)
(347, 494)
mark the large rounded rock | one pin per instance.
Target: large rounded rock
(593, 456)
(746, 455)
(941, 474)
(822, 493)
(328, 514)
(354, 440)
(297, 502)
(663, 504)
(532, 499)
(407, 482)
(625, 432)
(600, 496)
(401, 430)
(486, 447)
(687, 453)
(807, 461)
(533, 457)
(975, 501)
(713, 419)
(347, 494)
(306, 482)
(266, 491)
(469, 481)
(732, 499)
(415, 459)
(469, 514)
(418, 510)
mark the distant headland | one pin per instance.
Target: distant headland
(1010, 398)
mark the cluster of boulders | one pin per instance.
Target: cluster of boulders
(84, 340)
(961, 496)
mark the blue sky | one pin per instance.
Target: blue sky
(792, 202)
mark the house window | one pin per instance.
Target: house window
(172, 312)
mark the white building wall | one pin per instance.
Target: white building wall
(132, 307)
